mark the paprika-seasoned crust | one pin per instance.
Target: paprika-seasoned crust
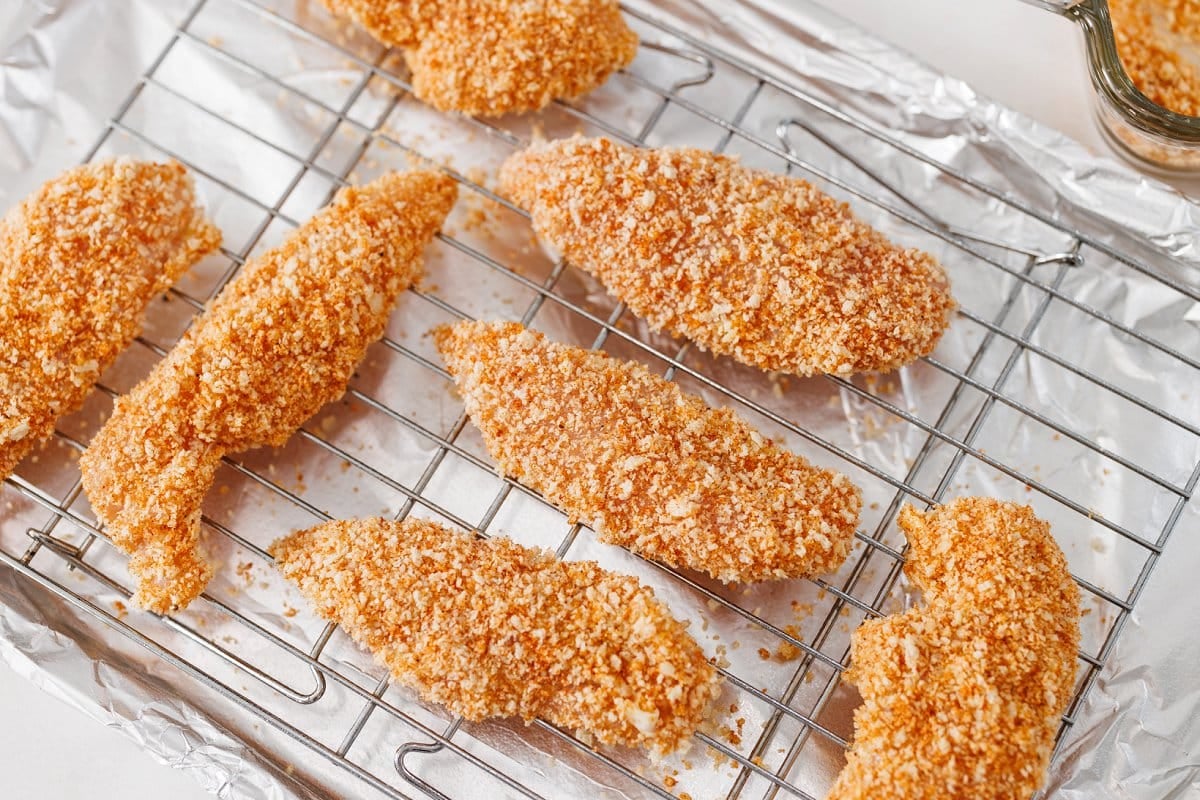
(490, 628)
(80, 260)
(963, 694)
(761, 267)
(281, 340)
(494, 57)
(645, 465)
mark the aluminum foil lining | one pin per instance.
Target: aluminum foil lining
(66, 66)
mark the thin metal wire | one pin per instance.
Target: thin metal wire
(44, 539)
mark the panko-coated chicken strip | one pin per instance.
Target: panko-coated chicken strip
(760, 267)
(493, 57)
(80, 259)
(963, 695)
(645, 465)
(281, 340)
(490, 628)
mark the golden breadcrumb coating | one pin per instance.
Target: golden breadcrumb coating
(753, 265)
(80, 259)
(489, 628)
(1154, 54)
(493, 57)
(645, 465)
(281, 340)
(962, 696)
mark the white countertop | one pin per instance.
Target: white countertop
(1027, 59)
(49, 750)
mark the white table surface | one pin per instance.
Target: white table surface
(1026, 58)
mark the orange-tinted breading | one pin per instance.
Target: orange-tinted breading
(645, 465)
(493, 57)
(489, 628)
(280, 341)
(962, 696)
(753, 265)
(80, 259)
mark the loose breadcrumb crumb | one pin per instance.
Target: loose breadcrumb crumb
(1158, 42)
(962, 696)
(753, 265)
(279, 342)
(80, 259)
(647, 466)
(786, 651)
(489, 628)
(494, 57)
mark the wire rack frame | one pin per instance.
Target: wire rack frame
(1044, 272)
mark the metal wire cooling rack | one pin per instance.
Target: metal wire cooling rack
(1026, 306)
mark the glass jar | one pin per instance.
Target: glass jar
(1145, 132)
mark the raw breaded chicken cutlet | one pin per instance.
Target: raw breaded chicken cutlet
(645, 465)
(490, 628)
(80, 259)
(493, 57)
(760, 267)
(963, 695)
(281, 340)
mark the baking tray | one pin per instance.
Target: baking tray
(1068, 381)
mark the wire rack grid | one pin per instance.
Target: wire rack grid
(1023, 302)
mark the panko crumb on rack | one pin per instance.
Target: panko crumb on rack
(489, 628)
(963, 695)
(645, 465)
(281, 340)
(80, 259)
(494, 57)
(761, 267)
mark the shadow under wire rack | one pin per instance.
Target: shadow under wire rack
(303, 105)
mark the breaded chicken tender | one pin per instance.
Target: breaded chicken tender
(493, 57)
(645, 465)
(962, 696)
(280, 341)
(80, 259)
(489, 628)
(760, 267)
